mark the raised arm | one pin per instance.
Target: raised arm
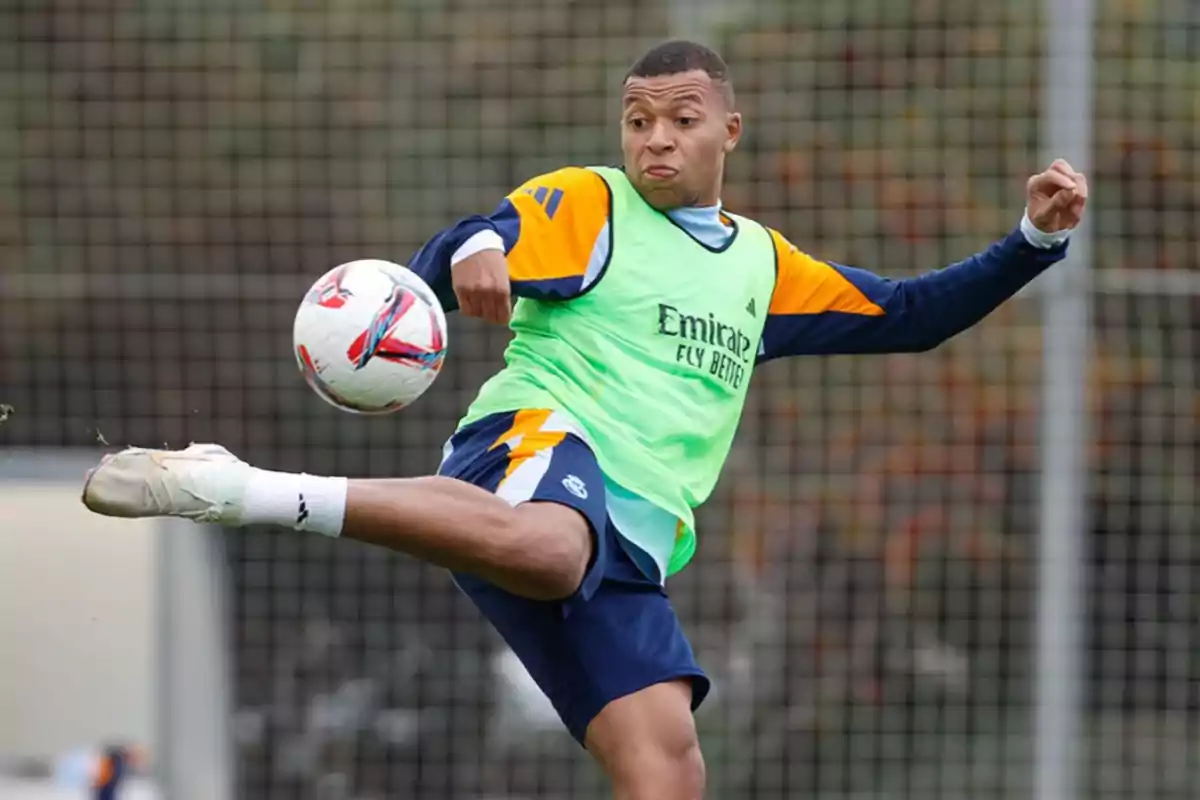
(821, 308)
(548, 240)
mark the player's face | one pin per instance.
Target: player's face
(676, 131)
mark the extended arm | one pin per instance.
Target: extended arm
(824, 308)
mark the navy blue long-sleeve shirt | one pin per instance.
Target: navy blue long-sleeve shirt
(556, 226)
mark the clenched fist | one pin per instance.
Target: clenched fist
(482, 287)
(1055, 199)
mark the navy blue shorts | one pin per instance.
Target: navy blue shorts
(618, 633)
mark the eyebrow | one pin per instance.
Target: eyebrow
(689, 97)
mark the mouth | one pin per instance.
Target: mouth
(661, 173)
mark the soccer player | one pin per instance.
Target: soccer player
(565, 498)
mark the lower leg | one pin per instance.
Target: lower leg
(536, 550)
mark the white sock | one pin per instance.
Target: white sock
(298, 501)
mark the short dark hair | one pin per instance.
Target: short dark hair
(680, 55)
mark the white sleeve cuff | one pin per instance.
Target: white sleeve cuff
(484, 240)
(1042, 239)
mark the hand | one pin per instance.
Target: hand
(1055, 199)
(482, 287)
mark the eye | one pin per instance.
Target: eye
(636, 123)
(686, 121)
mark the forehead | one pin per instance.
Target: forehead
(664, 89)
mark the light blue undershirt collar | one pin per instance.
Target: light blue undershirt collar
(704, 223)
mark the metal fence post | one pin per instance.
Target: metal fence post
(1066, 133)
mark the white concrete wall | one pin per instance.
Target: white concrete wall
(77, 623)
(11, 789)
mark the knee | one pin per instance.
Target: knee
(674, 769)
(684, 767)
(647, 744)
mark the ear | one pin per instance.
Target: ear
(733, 131)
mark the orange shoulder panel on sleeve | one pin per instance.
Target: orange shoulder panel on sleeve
(805, 285)
(563, 214)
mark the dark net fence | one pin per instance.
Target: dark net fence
(173, 174)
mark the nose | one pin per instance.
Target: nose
(661, 140)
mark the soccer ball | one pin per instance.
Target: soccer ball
(370, 337)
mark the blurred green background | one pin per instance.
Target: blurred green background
(174, 172)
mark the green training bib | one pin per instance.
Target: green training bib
(653, 361)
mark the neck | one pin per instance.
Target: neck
(712, 195)
(709, 197)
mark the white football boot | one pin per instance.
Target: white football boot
(204, 483)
